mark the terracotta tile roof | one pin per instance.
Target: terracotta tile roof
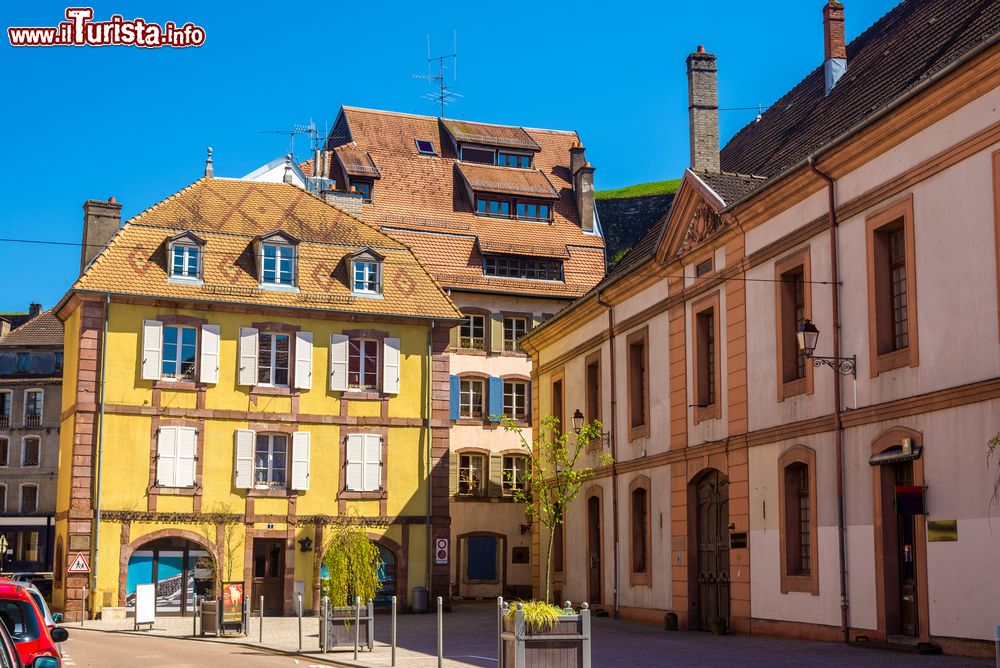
(356, 162)
(731, 187)
(45, 329)
(494, 135)
(457, 262)
(427, 193)
(898, 52)
(506, 180)
(228, 214)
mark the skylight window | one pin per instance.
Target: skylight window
(425, 147)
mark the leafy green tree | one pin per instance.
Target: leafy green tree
(554, 477)
(353, 564)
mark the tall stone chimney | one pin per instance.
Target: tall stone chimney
(583, 187)
(100, 222)
(34, 309)
(834, 45)
(703, 110)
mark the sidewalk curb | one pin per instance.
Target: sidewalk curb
(238, 643)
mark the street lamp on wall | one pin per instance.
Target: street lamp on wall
(808, 336)
(577, 421)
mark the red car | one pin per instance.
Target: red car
(26, 624)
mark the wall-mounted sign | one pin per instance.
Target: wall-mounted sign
(909, 500)
(940, 531)
(440, 550)
(79, 564)
(738, 540)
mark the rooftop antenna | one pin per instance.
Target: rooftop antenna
(298, 129)
(443, 95)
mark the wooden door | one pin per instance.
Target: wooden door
(712, 494)
(907, 557)
(269, 574)
(594, 549)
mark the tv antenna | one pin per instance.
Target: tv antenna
(308, 130)
(443, 95)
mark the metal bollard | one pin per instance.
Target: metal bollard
(440, 632)
(83, 607)
(357, 625)
(300, 621)
(499, 630)
(393, 639)
(261, 624)
(194, 617)
(998, 645)
(325, 616)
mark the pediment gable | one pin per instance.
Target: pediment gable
(693, 218)
(186, 237)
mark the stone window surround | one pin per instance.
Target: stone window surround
(173, 320)
(24, 449)
(381, 495)
(483, 376)
(714, 410)
(798, 259)
(487, 331)
(644, 577)
(291, 331)
(484, 493)
(640, 335)
(153, 490)
(366, 395)
(521, 377)
(792, 582)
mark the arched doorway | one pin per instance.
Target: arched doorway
(386, 577)
(710, 492)
(179, 568)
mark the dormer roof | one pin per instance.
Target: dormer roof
(368, 254)
(356, 162)
(506, 180)
(186, 237)
(278, 236)
(490, 135)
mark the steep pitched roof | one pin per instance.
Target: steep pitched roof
(44, 329)
(230, 214)
(427, 195)
(899, 51)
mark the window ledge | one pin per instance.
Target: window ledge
(710, 412)
(804, 584)
(271, 287)
(892, 360)
(183, 385)
(793, 388)
(261, 492)
(368, 295)
(175, 491)
(270, 390)
(471, 421)
(179, 280)
(361, 395)
(354, 495)
(470, 351)
(640, 579)
(638, 432)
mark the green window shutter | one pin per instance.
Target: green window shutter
(496, 333)
(453, 342)
(496, 475)
(453, 478)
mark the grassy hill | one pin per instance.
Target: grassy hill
(640, 190)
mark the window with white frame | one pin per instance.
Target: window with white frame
(471, 397)
(185, 261)
(33, 400)
(176, 453)
(515, 468)
(270, 461)
(515, 399)
(513, 329)
(31, 451)
(180, 346)
(363, 467)
(4, 451)
(5, 404)
(363, 364)
(29, 499)
(273, 353)
(277, 264)
(367, 277)
(472, 332)
(470, 474)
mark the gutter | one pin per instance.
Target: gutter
(614, 449)
(427, 438)
(838, 426)
(95, 548)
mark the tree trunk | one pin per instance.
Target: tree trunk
(548, 564)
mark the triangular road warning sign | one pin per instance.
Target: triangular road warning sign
(79, 564)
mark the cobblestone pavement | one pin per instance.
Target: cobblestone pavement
(469, 640)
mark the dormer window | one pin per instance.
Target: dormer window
(425, 147)
(276, 254)
(185, 253)
(521, 160)
(489, 156)
(519, 209)
(366, 273)
(364, 188)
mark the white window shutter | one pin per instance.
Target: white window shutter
(187, 452)
(300, 460)
(338, 362)
(244, 458)
(152, 349)
(390, 366)
(303, 360)
(209, 362)
(354, 477)
(248, 356)
(166, 457)
(373, 462)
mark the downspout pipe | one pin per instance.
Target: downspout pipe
(614, 447)
(838, 425)
(95, 548)
(430, 469)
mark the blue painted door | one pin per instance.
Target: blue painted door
(482, 563)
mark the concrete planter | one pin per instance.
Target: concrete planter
(342, 627)
(565, 645)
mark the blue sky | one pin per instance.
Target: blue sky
(133, 123)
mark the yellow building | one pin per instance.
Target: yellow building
(246, 365)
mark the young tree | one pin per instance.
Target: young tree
(555, 476)
(232, 535)
(353, 564)
(993, 458)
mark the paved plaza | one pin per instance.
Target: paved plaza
(470, 641)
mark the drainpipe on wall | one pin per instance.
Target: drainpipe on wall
(95, 548)
(838, 426)
(430, 469)
(614, 448)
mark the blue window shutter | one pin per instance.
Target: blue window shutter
(482, 564)
(454, 405)
(496, 398)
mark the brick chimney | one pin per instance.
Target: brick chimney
(34, 309)
(583, 187)
(703, 110)
(100, 222)
(834, 45)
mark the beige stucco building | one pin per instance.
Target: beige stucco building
(755, 486)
